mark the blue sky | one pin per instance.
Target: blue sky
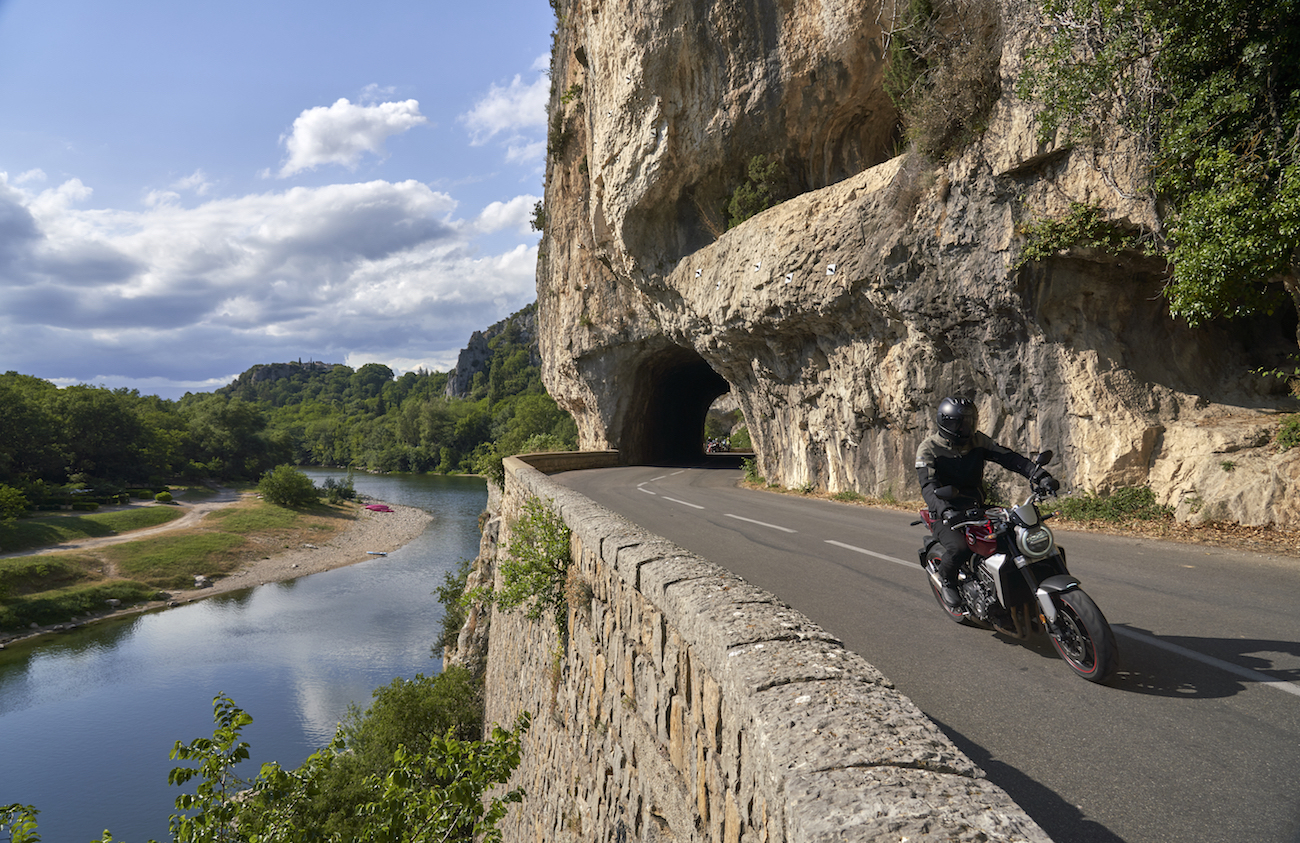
(187, 189)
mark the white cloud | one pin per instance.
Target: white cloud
(517, 214)
(517, 106)
(343, 132)
(197, 183)
(31, 175)
(374, 271)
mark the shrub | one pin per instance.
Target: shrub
(1288, 433)
(750, 465)
(453, 609)
(13, 503)
(942, 73)
(163, 497)
(1131, 503)
(761, 190)
(285, 485)
(537, 567)
(1082, 227)
(338, 491)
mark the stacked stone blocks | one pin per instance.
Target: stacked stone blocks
(687, 705)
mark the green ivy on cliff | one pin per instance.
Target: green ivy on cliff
(1210, 91)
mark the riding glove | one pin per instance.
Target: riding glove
(1047, 481)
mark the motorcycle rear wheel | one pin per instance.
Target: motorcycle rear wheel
(1083, 637)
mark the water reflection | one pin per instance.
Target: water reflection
(87, 719)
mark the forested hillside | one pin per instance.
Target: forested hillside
(82, 437)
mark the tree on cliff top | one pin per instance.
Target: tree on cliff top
(1211, 89)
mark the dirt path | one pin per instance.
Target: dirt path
(193, 513)
(368, 535)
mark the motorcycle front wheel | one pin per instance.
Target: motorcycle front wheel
(1083, 637)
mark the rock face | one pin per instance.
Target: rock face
(477, 353)
(839, 318)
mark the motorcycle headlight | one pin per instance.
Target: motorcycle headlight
(1035, 542)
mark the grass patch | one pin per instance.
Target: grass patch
(53, 588)
(46, 530)
(61, 605)
(28, 574)
(174, 561)
(252, 519)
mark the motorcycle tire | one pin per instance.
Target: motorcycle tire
(1083, 638)
(932, 555)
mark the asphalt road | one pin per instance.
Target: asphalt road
(1197, 739)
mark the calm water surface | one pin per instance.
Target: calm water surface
(87, 718)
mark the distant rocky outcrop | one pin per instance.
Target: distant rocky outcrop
(840, 317)
(476, 356)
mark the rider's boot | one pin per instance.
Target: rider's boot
(948, 591)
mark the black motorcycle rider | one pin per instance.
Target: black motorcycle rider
(952, 460)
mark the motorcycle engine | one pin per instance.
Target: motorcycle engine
(980, 593)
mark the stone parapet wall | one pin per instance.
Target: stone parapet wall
(687, 705)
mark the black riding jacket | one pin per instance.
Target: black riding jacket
(939, 464)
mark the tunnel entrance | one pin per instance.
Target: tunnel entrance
(672, 392)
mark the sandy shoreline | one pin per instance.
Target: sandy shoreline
(369, 534)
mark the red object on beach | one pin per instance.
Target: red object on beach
(379, 507)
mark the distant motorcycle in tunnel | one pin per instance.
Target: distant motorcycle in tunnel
(1016, 582)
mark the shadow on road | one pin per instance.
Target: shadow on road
(1146, 668)
(1063, 822)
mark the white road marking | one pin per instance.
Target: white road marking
(683, 503)
(1243, 672)
(893, 559)
(647, 491)
(761, 523)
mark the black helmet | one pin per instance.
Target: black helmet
(958, 419)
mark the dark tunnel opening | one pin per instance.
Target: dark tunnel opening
(665, 419)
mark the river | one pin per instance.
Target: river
(87, 718)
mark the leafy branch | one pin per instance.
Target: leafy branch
(536, 568)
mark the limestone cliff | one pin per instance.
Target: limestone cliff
(476, 357)
(841, 316)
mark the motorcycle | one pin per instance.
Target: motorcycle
(1016, 582)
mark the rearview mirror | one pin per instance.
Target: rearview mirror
(1044, 458)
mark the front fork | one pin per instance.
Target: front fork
(1044, 590)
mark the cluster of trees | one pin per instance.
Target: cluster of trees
(56, 440)
(83, 437)
(372, 420)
